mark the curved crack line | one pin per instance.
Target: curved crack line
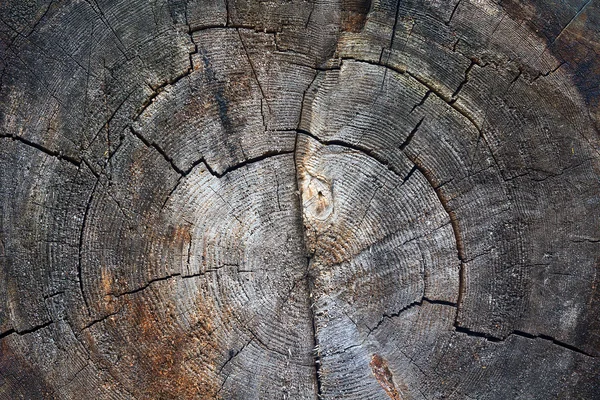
(362, 149)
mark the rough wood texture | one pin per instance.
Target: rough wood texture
(248, 199)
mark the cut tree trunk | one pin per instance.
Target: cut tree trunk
(291, 199)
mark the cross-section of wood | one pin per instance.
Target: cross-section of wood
(339, 199)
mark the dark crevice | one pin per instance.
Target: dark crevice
(526, 335)
(262, 92)
(344, 350)
(157, 89)
(410, 173)
(477, 334)
(455, 229)
(106, 125)
(577, 14)
(171, 192)
(464, 81)
(308, 277)
(80, 245)
(517, 76)
(233, 354)
(453, 12)
(150, 282)
(165, 278)
(427, 85)
(445, 205)
(35, 25)
(159, 149)
(409, 306)
(52, 153)
(355, 147)
(263, 344)
(451, 103)
(216, 174)
(585, 240)
(440, 302)
(25, 331)
(249, 161)
(455, 44)
(51, 295)
(395, 26)
(304, 98)
(562, 344)
(310, 284)
(423, 100)
(374, 63)
(104, 20)
(546, 74)
(312, 9)
(412, 133)
(227, 13)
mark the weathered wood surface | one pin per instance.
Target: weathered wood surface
(294, 199)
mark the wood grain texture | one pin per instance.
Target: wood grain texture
(338, 199)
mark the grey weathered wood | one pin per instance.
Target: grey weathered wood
(336, 199)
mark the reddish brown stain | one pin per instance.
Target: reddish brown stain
(164, 352)
(160, 356)
(354, 15)
(384, 376)
(353, 21)
(571, 36)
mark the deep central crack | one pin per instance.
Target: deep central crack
(310, 278)
(310, 284)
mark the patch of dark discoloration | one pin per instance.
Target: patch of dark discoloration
(384, 376)
(571, 34)
(354, 14)
(18, 379)
(222, 104)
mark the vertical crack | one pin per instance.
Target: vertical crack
(310, 280)
(80, 247)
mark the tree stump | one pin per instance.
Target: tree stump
(248, 199)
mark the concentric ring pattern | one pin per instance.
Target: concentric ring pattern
(293, 199)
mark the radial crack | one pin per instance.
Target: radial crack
(412, 133)
(310, 281)
(25, 331)
(45, 150)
